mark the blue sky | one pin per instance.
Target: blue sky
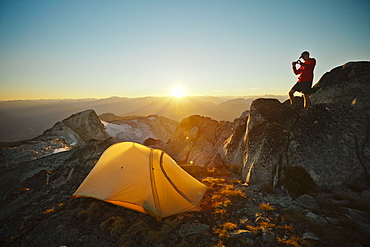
(97, 49)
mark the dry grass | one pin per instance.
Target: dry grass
(222, 229)
(232, 192)
(266, 207)
(219, 244)
(214, 183)
(50, 210)
(221, 197)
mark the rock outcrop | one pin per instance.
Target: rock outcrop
(198, 139)
(347, 84)
(266, 138)
(330, 141)
(77, 129)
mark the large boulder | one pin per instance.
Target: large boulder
(77, 129)
(331, 142)
(266, 139)
(198, 139)
(346, 84)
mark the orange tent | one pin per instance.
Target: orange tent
(147, 180)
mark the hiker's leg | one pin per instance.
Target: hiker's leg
(307, 101)
(291, 96)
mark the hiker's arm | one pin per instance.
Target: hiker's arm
(295, 70)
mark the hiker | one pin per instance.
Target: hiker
(305, 78)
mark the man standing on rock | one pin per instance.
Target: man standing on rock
(305, 78)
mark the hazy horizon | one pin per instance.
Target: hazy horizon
(149, 96)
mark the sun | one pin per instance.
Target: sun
(178, 92)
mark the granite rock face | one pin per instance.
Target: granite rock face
(330, 141)
(266, 139)
(234, 146)
(198, 139)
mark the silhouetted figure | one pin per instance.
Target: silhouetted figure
(305, 78)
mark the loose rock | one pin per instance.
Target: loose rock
(193, 228)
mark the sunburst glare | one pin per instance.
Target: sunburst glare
(178, 92)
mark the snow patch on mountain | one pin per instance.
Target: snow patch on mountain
(126, 132)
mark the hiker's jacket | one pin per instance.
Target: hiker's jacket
(306, 70)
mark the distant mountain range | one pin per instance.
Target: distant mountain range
(26, 119)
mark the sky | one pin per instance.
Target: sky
(97, 49)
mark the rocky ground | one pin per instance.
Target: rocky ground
(31, 150)
(39, 212)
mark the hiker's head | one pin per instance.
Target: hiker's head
(305, 55)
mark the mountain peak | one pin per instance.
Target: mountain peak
(77, 129)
